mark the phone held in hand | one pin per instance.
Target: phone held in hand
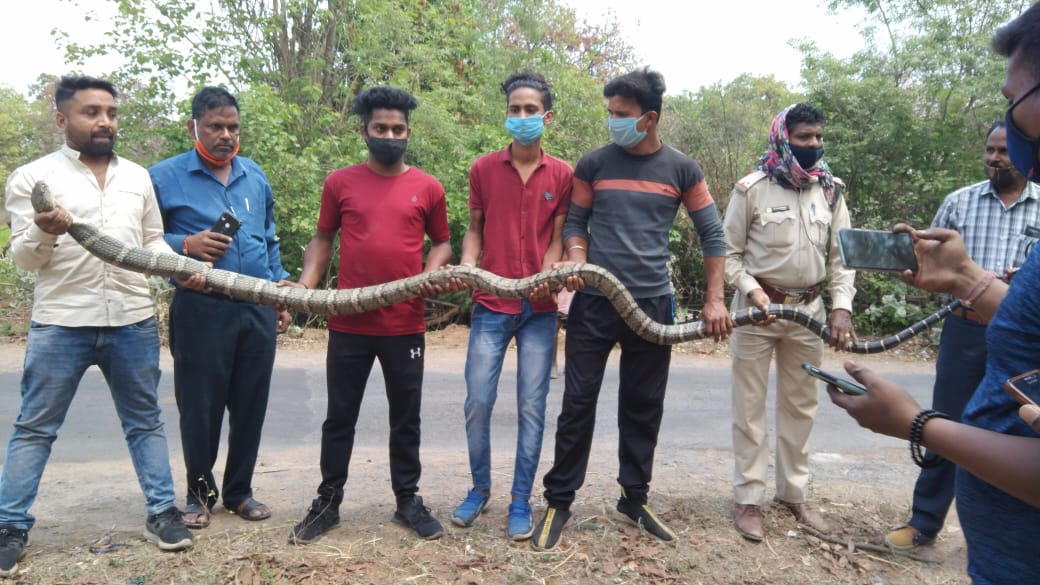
(876, 250)
(1025, 387)
(227, 224)
(846, 386)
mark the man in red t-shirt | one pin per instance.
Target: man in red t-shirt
(382, 210)
(518, 200)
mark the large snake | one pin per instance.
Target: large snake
(359, 300)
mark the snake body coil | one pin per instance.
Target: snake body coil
(359, 300)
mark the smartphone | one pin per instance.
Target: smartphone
(876, 250)
(227, 224)
(846, 386)
(1025, 387)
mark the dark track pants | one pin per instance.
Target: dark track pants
(348, 364)
(593, 328)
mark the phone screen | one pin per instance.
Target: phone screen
(1025, 387)
(846, 386)
(876, 250)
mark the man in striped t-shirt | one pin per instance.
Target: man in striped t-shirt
(625, 197)
(999, 219)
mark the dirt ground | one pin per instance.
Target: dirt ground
(85, 534)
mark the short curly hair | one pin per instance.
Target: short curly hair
(643, 85)
(383, 98)
(527, 78)
(1021, 34)
(804, 113)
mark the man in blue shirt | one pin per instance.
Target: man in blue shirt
(999, 220)
(223, 349)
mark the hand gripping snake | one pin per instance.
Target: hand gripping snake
(359, 300)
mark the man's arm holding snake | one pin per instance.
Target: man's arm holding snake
(576, 230)
(842, 283)
(33, 235)
(316, 258)
(705, 215)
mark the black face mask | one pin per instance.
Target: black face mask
(806, 157)
(1001, 177)
(387, 150)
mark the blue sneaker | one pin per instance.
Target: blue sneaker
(521, 524)
(470, 508)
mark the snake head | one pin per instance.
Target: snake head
(41, 198)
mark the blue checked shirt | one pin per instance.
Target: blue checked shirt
(996, 237)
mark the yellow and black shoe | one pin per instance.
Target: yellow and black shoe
(907, 537)
(547, 533)
(641, 514)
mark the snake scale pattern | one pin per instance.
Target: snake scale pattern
(359, 300)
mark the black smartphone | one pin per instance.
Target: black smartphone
(227, 224)
(846, 386)
(1025, 387)
(876, 250)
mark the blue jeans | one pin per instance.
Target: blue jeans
(490, 332)
(55, 359)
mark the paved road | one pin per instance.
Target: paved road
(697, 412)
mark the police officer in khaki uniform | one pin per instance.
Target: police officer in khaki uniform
(781, 226)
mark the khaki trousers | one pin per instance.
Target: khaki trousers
(797, 396)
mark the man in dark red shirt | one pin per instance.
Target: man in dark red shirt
(518, 201)
(382, 210)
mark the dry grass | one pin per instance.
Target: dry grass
(599, 546)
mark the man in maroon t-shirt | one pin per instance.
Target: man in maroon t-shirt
(382, 210)
(518, 201)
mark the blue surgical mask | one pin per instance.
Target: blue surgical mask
(526, 130)
(623, 131)
(1022, 151)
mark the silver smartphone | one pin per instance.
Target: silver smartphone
(846, 386)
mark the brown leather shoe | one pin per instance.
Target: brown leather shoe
(806, 515)
(748, 520)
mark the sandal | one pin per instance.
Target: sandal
(195, 516)
(251, 510)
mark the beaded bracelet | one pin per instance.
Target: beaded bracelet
(916, 434)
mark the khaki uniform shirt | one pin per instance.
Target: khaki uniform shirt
(786, 237)
(73, 288)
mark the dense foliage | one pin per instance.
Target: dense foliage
(906, 122)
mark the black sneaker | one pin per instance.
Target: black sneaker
(641, 514)
(12, 548)
(416, 516)
(167, 530)
(547, 533)
(321, 517)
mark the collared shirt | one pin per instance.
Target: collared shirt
(192, 198)
(518, 218)
(997, 237)
(786, 237)
(73, 288)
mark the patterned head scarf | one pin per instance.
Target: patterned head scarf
(780, 164)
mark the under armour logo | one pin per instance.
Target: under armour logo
(416, 353)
